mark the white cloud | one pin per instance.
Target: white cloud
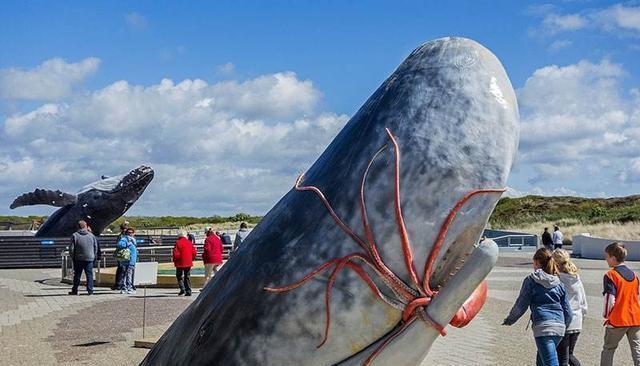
(577, 122)
(226, 69)
(554, 23)
(52, 80)
(559, 45)
(217, 148)
(618, 18)
(631, 173)
(136, 21)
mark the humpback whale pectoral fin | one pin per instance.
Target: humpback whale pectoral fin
(45, 197)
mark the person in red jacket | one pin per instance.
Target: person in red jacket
(184, 252)
(212, 254)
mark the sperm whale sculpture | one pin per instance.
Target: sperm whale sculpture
(376, 247)
(98, 203)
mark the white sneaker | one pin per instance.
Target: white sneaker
(131, 292)
(123, 292)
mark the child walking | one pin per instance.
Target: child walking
(621, 306)
(568, 274)
(545, 295)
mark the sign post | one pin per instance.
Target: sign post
(146, 274)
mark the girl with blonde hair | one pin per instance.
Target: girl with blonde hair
(568, 274)
(543, 293)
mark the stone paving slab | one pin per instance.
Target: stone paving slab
(40, 324)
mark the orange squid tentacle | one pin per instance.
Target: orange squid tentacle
(327, 299)
(395, 333)
(471, 306)
(412, 302)
(304, 280)
(404, 236)
(443, 233)
(329, 208)
(369, 233)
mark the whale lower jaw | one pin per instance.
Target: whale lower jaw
(402, 350)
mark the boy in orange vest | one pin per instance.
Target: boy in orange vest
(621, 306)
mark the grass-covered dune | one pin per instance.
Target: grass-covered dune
(565, 210)
(613, 218)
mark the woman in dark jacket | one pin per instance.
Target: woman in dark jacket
(545, 295)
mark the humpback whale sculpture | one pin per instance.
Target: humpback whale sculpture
(98, 203)
(376, 248)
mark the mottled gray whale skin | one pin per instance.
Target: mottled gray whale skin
(98, 203)
(453, 112)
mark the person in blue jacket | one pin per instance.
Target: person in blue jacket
(127, 265)
(546, 296)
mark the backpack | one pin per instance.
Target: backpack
(123, 254)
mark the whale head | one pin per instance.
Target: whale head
(107, 199)
(368, 236)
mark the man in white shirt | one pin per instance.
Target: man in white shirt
(557, 237)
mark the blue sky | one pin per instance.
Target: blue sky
(574, 64)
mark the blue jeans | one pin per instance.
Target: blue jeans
(125, 282)
(78, 268)
(547, 355)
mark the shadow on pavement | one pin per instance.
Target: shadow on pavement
(90, 344)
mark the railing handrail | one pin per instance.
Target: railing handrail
(143, 252)
(521, 243)
(512, 236)
(145, 248)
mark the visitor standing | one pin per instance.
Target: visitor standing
(568, 274)
(127, 256)
(184, 252)
(240, 235)
(621, 306)
(211, 255)
(83, 251)
(545, 295)
(123, 228)
(557, 237)
(547, 242)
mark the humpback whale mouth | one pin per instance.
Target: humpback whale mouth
(132, 185)
(137, 180)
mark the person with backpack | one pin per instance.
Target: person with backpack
(184, 252)
(83, 250)
(568, 274)
(544, 294)
(123, 229)
(211, 255)
(127, 256)
(621, 306)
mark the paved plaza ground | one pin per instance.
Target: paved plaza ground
(41, 325)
